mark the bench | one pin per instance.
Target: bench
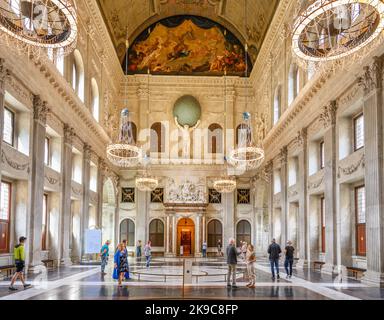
(318, 265)
(9, 270)
(48, 263)
(357, 273)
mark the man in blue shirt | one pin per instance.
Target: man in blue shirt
(104, 253)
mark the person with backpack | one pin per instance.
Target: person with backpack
(288, 264)
(19, 255)
(148, 253)
(274, 252)
(232, 263)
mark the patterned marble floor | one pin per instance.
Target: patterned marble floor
(163, 280)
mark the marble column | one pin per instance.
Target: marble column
(229, 217)
(36, 183)
(174, 235)
(142, 93)
(3, 76)
(167, 235)
(197, 236)
(284, 195)
(204, 228)
(142, 216)
(303, 231)
(116, 182)
(100, 184)
(328, 118)
(85, 200)
(269, 173)
(372, 85)
(65, 218)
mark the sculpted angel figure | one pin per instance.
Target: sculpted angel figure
(186, 135)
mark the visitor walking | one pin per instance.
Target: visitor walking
(19, 255)
(288, 264)
(232, 263)
(250, 260)
(204, 249)
(148, 253)
(138, 249)
(219, 248)
(104, 254)
(243, 249)
(274, 252)
(121, 264)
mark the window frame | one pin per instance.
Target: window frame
(359, 226)
(243, 236)
(321, 155)
(130, 235)
(13, 113)
(212, 238)
(8, 221)
(44, 231)
(47, 157)
(157, 237)
(322, 224)
(354, 120)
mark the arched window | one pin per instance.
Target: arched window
(134, 131)
(277, 105)
(215, 233)
(243, 134)
(78, 74)
(157, 137)
(95, 100)
(215, 138)
(243, 232)
(156, 233)
(293, 83)
(127, 232)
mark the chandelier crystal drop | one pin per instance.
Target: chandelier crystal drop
(247, 156)
(330, 30)
(124, 153)
(39, 25)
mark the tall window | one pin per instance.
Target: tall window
(360, 221)
(9, 126)
(277, 105)
(95, 100)
(93, 178)
(5, 214)
(157, 137)
(243, 232)
(47, 151)
(293, 83)
(215, 233)
(321, 155)
(156, 233)
(215, 138)
(44, 231)
(358, 132)
(322, 214)
(127, 232)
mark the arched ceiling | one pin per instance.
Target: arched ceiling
(136, 15)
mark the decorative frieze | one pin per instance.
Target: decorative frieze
(4, 74)
(372, 76)
(316, 184)
(52, 180)
(351, 169)
(14, 165)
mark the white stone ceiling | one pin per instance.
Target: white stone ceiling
(137, 15)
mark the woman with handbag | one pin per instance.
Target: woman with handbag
(250, 260)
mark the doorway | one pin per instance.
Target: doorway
(185, 238)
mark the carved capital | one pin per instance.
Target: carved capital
(69, 134)
(4, 74)
(283, 156)
(372, 76)
(328, 116)
(301, 137)
(87, 151)
(40, 110)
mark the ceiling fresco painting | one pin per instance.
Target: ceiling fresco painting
(187, 45)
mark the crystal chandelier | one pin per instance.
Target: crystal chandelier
(145, 182)
(124, 153)
(330, 30)
(39, 25)
(226, 183)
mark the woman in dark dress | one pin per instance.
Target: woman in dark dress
(121, 262)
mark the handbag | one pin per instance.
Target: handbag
(126, 275)
(115, 274)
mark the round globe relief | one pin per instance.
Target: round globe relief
(187, 110)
